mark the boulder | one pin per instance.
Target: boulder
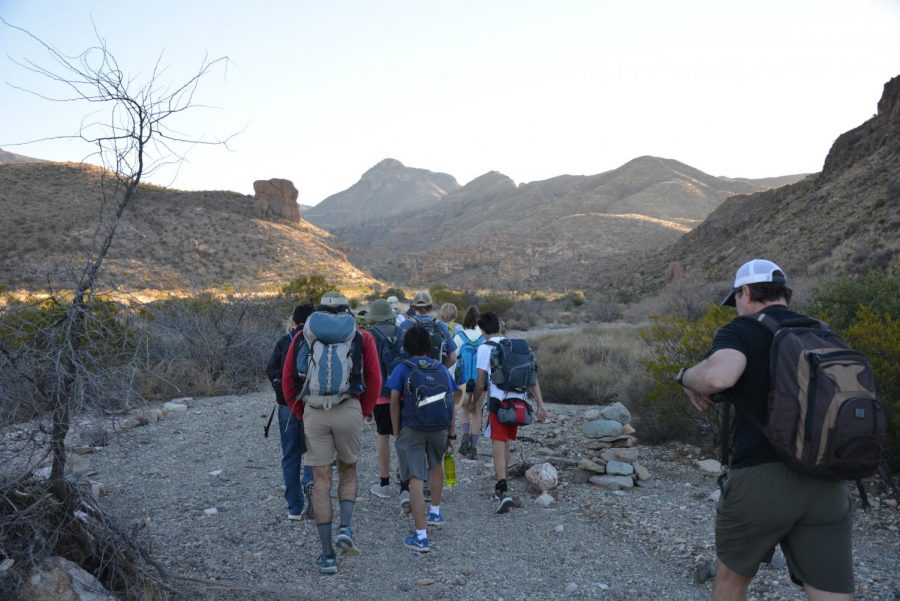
(173, 407)
(58, 578)
(628, 429)
(96, 436)
(544, 500)
(709, 466)
(642, 473)
(617, 412)
(591, 414)
(619, 468)
(601, 428)
(587, 464)
(542, 476)
(276, 198)
(612, 482)
(628, 455)
(596, 445)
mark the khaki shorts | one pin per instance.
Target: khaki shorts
(333, 434)
(764, 505)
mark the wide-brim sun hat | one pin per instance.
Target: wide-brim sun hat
(755, 271)
(422, 299)
(333, 300)
(380, 311)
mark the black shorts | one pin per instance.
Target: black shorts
(382, 415)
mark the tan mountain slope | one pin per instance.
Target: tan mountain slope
(491, 233)
(385, 192)
(168, 240)
(843, 220)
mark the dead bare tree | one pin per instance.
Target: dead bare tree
(134, 135)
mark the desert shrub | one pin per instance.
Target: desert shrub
(494, 303)
(307, 288)
(575, 298)
(877, 336)
(398, 292)
(676, 342)
(595, 365)
(838, 301)
(441, 294)
(209, 344)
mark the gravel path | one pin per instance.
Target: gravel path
(644, 543)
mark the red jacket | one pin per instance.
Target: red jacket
(371, 376)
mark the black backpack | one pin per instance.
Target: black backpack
(513, 366)
(389, 344)
(436, 335)
(824, 418)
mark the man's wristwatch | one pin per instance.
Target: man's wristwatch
(680, 377)
(451, 437)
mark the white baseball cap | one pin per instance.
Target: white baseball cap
(754, 272)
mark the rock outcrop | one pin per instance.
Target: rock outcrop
(276, 198)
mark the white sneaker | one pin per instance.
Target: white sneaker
(404, 501)
(382, 492)
(295, 518)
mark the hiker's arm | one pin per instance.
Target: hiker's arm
(371, 374)
(395, 412)
(272, 367)
(539, 401)
(720, 371)
(450, 359)
(289, 381)
(480, 387)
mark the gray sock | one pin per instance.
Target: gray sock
(325, 537)
(346, 513)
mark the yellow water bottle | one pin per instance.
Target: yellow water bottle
(449, 471)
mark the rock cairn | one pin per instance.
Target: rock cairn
(612, 453)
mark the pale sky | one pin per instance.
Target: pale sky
(323, 90)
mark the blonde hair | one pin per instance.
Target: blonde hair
(447, 312)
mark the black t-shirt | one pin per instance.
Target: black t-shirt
(751, 391)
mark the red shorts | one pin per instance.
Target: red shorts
(501, 432)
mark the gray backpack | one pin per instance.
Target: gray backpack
(824, 418)
(330, 359)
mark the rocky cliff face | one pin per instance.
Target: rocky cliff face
(843, 220)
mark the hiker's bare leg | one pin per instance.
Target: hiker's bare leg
(500, 451)
(814, 594)
(383, 450)
(476, 418)
(436, 480)
(729, 586)
(347, 481)
(417, 502)
(507, 458)
(322, 494)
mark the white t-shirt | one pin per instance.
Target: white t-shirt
(399, 319)
(484, 363)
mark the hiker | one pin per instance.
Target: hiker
(341, 383)
(388, 343)
(448, 313)
(441, 348)
(494, 358)
(422, 421)
(467, 341)
(290, 427)
(396, 307)
(763, 502)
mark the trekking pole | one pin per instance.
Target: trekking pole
(269, 423)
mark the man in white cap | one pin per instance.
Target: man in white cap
(394, 302)
(763, 502)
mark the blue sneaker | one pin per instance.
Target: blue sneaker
(436, 519)
(327, 565)
(344, 542)
(416, 544)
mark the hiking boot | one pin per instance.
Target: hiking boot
(436, 519)
(465, 446)
(416, 544)
(327, 565)
(382, 492)
(473, 452)
(308, 489)
(344, 542)
(505, 502)
(404, 501)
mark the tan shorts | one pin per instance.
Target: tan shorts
(764, 505)
(333, 434)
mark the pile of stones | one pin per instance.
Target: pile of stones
(611, 460)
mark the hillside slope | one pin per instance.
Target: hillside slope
(546, 234)
(843, 220)
(168, 239)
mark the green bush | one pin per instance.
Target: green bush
(676, 342)
(495, 304)
(307, 288)
(838, 301)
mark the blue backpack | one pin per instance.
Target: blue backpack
(513, 366)
(389, 344)
(427, 400)
(329, 360)
(467, 361)
(437, 344)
